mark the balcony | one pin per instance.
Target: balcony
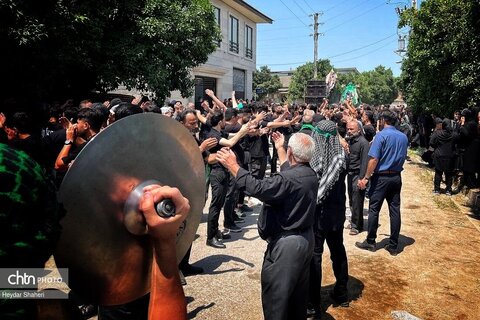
(234, 46)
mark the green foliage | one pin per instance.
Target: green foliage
(66, 48)
(374, 87)
(304, 73)
(263, 79)
(442, 70)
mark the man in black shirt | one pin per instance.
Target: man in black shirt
(357, 166)
(367, 120)
(231, 199)
(219, 177)
(285, 222)
(190, 121)
(329, 162)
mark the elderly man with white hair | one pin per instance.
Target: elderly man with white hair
(285, 222)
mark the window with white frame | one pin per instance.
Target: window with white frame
(248, 42)
(233, 38)
(216, 11)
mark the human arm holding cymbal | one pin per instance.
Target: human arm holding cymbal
(167, 300)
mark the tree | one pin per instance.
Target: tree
(303, 74)
(59, 49)
(441, 72)
(378, 86)
(264, 80)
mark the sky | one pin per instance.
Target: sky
(356, 33)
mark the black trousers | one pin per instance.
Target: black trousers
(285, 274)
(241, 194)
(231, 200)
(273, 161)
(385, 187)
(339, 263)
(258, 166)
(219, 180)
(356, 199)
(438, 179)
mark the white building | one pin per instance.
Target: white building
(231, 66)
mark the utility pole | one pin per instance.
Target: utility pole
(315, 45)
(315, 41)
(315, 91)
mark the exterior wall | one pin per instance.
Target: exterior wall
(221, 63)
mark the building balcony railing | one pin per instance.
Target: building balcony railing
(249, 53)
(234, 46)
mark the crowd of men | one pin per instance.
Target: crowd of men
(321, 156)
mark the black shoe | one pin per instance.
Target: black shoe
(233, 228)
(215, 243)
(190, 270)
(344, 304)
(237, 219)
(222, 235)
(393, 250)
(88, 310)
(353, 232)
(245, 208)
(182, 278)
(340, 301)
(314, 313)
(366, 245)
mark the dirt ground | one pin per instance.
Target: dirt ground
(436, 276)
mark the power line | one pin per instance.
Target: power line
(337, 26)
(285, 19)
(273, 29)
(353, 50)
(347, 52)
(300, 7)
(345, 12)
(294, 14)
(356, 17)
(282, 64)
(366, 54)
(366, 46)
(333, 7)
(286, 38)
(313, 10)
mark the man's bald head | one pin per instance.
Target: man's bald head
(353, 129)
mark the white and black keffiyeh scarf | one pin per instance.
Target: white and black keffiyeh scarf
(328, 158)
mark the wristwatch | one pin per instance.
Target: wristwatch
(68, 142)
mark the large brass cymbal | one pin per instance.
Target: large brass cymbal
(108, 264)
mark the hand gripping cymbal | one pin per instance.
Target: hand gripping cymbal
(103, 242)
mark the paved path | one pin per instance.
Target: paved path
(436, 276)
